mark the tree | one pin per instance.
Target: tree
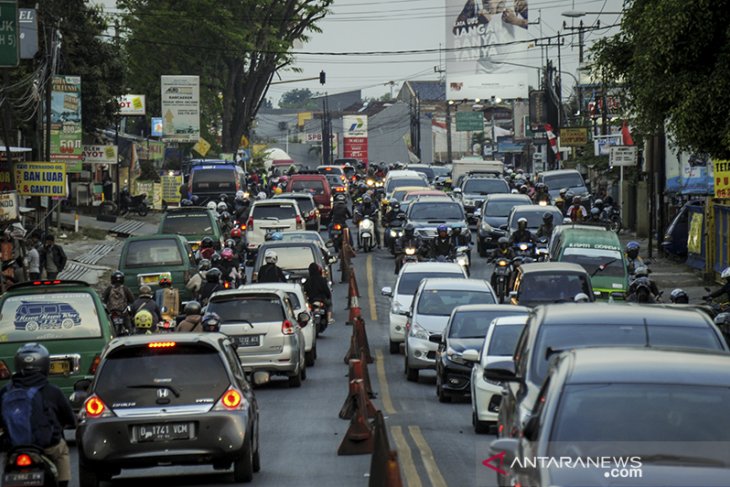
(673, 59)
(236, 46)
(298, 98)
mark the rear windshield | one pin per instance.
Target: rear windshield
(143, 253)
(596, 262)
(484, 186)
(255, 309)
(301, 237)
(214, 180)
(441, 302)
(559, 181)
(504, 340)
(552, 288)
(565, 337)
(294, 257)
(426, 171)
(135, 377)
(305, 204)
(502, 208)
(187, 224)
(398, 182)
(314, 186)
(49, 316)
(436, 211)
(474, 324)
(409, 281)
(285, 211)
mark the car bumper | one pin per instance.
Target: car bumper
(397, 327)
(281, 362)
(455, 378)
(110, 442)
(487, 397)
(421, 353)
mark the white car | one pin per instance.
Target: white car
(299, 303)
(499, 345)
(275, 215)
(410, 276)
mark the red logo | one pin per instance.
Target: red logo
(498, 467)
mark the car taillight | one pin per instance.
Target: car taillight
(4, 371)
(298, 219)
(94, 364)
(232, 399)
(95, 407)
(161, 344)
(23, 460)
(287, 328)
(250, 223)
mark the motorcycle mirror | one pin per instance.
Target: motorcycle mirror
(329, 243)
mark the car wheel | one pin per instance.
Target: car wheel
(296, 379)
(88, 478)
(304, 370)
(440, 392)
(31, 326)
(314, 350)
(243, 466)
(394, 347)
(256, 461)
(411, 374)
(481, 248)
(480, 427)
(309, 357)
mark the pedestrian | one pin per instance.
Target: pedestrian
(53, 258)
(33, 262)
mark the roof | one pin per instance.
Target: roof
(283, 196)
(648, 365)
(155, 236)
(273, 201)
(466, 308)
(511, 320)
(409, 267)
(552, 267)
(437, 199)
(617, 314)
(284, 286)
(559, 171)
(209, 338)
(506, 197)
(591, 236)
(307, 176)
(535, 209)
(428, 90)
(244, 291)
(456, 283)
(287, 243)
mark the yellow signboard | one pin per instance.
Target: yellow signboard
(171, 188)
(40, 178)
(694, 240)
(722, 178)
(303, 117)
(573, 136)
(244, 142)
(201, 146)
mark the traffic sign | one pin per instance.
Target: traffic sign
(469, 121)
(9, 42)
(202, 146)
(623, 155)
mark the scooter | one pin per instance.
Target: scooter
(118, 319)
(28, 466)
(461, 257)
(319, 316)
(366, 234)
(541, 249)
(501, 276)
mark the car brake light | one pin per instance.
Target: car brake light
(95, 364)
(298, 220)
(161, 344)
(4, 371)
(287, 328)
(231, 399)
(47, 283)
(23, 460)
(250, 223)
(94, 407)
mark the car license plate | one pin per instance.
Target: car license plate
(163, 432)
(23, 479)
(248, 340)
(150, 279)
(60, 367)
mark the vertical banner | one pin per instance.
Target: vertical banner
(722, 178)
(66, 118)
(180, 108)
(486, 40)
(355, 132)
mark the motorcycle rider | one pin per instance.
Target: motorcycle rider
(270, 272)
(577, 212)
(541, 194)
(241, 206)
(32, 365)
(368, 209)
(547, 227)
(560, 200)
(167, 297)
(212, 284)
(595, 217)
(642, 289)
(441, 245)
(392, 213)
(678, 296)
(724, 289)
(503, 251)
(633, 261)
(117, 297)
(211, 322)
(192, 321)
(229, 267)
(144, 323)
(146, 302)
(408, 240)
(340, 214)
(522, 234)
(206, 249)
(317, 289)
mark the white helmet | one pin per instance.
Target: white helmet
(211, 205)
(641, 271)
(581, 298)
(261, 196)
(270, 257)
(725, 273)
(222, 207)
(240, 194)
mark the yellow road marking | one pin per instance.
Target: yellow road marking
(384, 391)
(371, 288)
(405, 458)
(437, 480)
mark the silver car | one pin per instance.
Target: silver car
(432, 305)
(269, 338)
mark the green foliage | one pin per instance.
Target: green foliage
(299, 98)
(673, 59)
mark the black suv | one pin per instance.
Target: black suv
(427, 213)
(476, 187)
(168, 400)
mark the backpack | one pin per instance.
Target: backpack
(117, 299)
(25, 417)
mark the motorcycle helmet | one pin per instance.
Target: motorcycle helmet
(641, 271)
(725, 273)
(277, 236)
(240, 195)
(442, 231)
(541, 187)
(261, 196)
(576, 200)
(236, 233)
(270, 257)
(213, 276)
(204, 265)
(207, 253)
(192, 308)
(678, 296)
(395, 205)
(165, 281)
(366, 200)
(143, 319)
(230, 243)
(194, 198)
(598, 204)
(723, 320)
(523, 189)
(581, 298)
(595, 213)
(223, 198)
(340, 198)
(145, 292)
(522, 223)
(117, 277)
(207, 243)
(225, 217)
(211, 206)
(409, 230)
(632, 250)
(503, 243)
(32, 357)
(547, 218)
(227, 254)
(222, 207)
(563, 192)
(215, 259)
(211, 322)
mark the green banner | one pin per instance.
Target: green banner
(9, 42)
(469, 121)
(66, 118)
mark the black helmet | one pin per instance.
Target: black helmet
(632, 249)
(678, 296)
(503, 243)
(598, 203)
(223, 197)
(366, 199)
(409, 230)
(395, 205)
(206, 243)
(522, 223)
(225, 216)
(547, 218)
(214, 275)
(523, 189)
(340, 198)
(211, 322)
(32, 357)
(541, 187)
(118, 277)
(230, 243)
(215, 258)
(192, 308)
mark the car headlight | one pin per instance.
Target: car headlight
(417, 331)
(486, 227)
(454, 356)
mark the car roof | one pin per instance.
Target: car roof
(306, 232)
(287, 243)
(559, 171)
(535, 209)
(466, 308)
(154, 236)
(272, 201)
(187, 209)
(507, 197)
(617, 313)
(241, 292)
(436, 199)
(591, 237)
(648, 365)
(209, 338)
(552, 267)
(294, 177)
(45, 285)
(403, 173)
(293, 196)
(289, 287)
(511, 320)
(455, 283)
(419, 267)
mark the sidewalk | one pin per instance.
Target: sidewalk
(150, 223)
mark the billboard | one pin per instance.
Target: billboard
(180, 108)
(130, 105)
(40, 178)
(66, 118)
(486, 40)
(355, 136)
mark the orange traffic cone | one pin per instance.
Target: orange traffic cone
(359, 437)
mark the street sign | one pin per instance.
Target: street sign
(623, 155)
(9, 34)
(469, 121)
(28, 33)
(573, 136)
(202, 146)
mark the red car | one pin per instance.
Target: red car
(318, 187)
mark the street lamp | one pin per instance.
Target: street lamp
(580, 13)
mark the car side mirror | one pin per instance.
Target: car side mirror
(435, 338)
(303, 318)
(387, 291)
(508, 449)
(470, 355)
(501, 372)
(332, 260)
(503, 227)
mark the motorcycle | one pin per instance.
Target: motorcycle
(136, 203)
(118, 319)
(716, 308)
(336, 236)
(319, 316)
(501, 277)
(541, 249)
(524, 249)
(28, 466)
(611, 216)
(366, 234)
(641, 292)
(461, 257)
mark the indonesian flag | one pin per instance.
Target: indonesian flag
(553, 140)
(626, 134)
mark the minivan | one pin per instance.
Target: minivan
(210, 178)
(569, 179)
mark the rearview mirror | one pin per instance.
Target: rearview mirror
(387, 291)
(470, 355)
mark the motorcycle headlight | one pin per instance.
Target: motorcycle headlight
(523, 247)
(417, 331)
(503, 263)
(410, 251)
(462, 261)
(454, 356)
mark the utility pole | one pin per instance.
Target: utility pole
(449, 154)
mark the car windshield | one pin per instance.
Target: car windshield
(441, 302)
(554, 287)
(314, 186)
(502, 208)
(559, 181)
(208, 180)
(187, 224)
(49, 316)
(611, 260)
(428, 210)
(285, 211)
(565, 337)
(145, 253)
(294, 257)
(256, 309)
(398, 182)
(534, 218)
(132, 377)
(504, 340)
(474, 324)
(409, 281)
(484, 186)
(440, 170)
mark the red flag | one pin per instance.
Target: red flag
(552, 140)
(626, 134)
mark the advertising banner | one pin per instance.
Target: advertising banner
(602, 143)
(355, 125)
(8, 206)
(40, 178)
(485, 39)
(355, 136)
(150, 150)
(28, 32)
(573, 136)
(722, 178)
(171, 188)
(356, 148)
(180, 108)
(66, 118)
(100, 154)
(694, 238)
(130, 105)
